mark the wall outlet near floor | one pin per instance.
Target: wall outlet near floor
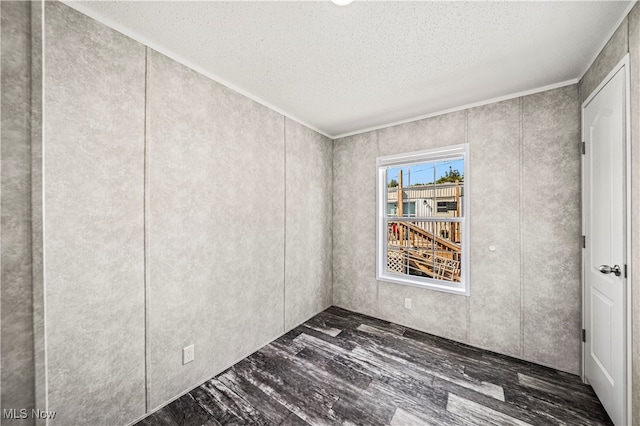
(407, 303)
(188, 354)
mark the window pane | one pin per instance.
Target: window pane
(447, 266)
(397, 247)
(449, 188)
(428, 189)
(420, 246)
(398, 178)
(426, 249)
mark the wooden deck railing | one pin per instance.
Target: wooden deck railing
(414, 250)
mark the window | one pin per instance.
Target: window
(422, 235)
(409, 208)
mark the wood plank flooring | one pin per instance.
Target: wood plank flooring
(343, 368)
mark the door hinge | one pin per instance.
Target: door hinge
(584, 242)
(584, 335)
(625, 271)
(584, 147)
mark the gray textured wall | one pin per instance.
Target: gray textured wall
(215, 226)
(611, 54)
(551, 230)
(170, 216)
(37, 240)
(93, 202)
(308, 280)
(17, 355)
(524, 199)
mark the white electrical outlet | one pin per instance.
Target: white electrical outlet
(188, 354)
(407, 303)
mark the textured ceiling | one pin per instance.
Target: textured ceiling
(342, 70)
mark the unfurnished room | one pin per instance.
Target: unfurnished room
(326, 212)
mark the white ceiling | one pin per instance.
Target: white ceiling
(342, 70)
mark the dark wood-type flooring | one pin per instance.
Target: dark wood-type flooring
(350, 369)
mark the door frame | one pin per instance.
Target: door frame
(624, 63)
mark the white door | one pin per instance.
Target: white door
(604, 255)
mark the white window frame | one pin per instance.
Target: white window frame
(408, 159)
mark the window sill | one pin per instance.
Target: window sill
(425, 283)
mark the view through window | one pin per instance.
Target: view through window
(422, 222)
